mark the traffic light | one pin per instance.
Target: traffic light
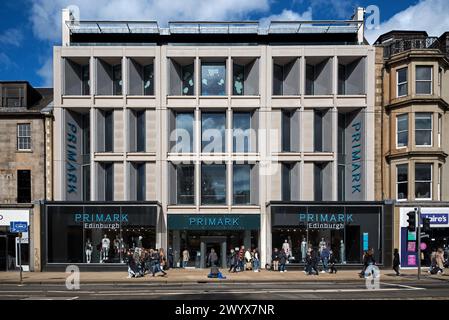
(411, 221)
(426, 225)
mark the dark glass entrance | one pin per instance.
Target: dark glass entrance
(3, 253)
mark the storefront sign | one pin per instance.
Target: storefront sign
(411, 261)
(325, 220)
(72, 156)
(101, 220)
(7, 216)
(214, 222)
(436, 218)
(411, 246)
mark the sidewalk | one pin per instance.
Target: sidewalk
(200, 276)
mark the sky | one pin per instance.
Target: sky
(30, 28)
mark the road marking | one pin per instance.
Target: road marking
(402, 286)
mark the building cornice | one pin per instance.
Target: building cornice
(417, 154)
(416, 101)
(410, 55)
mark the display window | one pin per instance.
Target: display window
(347, 231)
(98, 234)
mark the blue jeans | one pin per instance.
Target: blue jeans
(184, 264)
(256, 264)
(325, 264)
(282, 267)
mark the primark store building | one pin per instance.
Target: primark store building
(195, 136)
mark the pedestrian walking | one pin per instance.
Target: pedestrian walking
(171, 259)
(396, 262)
(232, 261)
(256, 261)
(440, 261)
(275, 259)
(282, 261)
(324, 256)
(315, 261)
(368, 264)
(241, 259)
(212, 259)
(248, 260)
(185, 257)
(332, 262)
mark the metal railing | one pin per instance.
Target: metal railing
(398, 46)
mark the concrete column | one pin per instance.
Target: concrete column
(203, 255)
(247, 239)
(223, 254)
(176, 246)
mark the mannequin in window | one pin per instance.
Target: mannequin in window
(322, 244)
(105, 244)
(290, 244)
(286, 248)
(88, 249)
(303, 249)
(342, 252)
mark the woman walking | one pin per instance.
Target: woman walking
(396, 262)
(256, 261)
(282, 261)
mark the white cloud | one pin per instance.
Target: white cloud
(428, 15)
(46, 72)
(287, 15)
(12, 37)
(46, 14)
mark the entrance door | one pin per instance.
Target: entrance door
(3, 252)
(216, 243)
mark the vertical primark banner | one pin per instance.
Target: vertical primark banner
(355, 156)
(72, 156)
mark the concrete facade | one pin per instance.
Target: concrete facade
(355, 104)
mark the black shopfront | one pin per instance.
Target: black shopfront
(347, 228)
(95, 234)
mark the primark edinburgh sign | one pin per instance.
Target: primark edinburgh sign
(335, 221)
(214, 222)
(101, 220)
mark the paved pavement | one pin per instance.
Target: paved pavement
(200, 276)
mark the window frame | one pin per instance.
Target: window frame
(402, 131)
(431, 130)
(23, 137)
(431, 80)
(402, 182)
(401, 83)
(425, 181)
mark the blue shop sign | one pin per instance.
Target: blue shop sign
(213, 222)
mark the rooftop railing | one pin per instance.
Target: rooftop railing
(401, 45)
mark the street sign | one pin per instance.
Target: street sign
(19, 226)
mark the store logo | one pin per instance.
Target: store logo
(229, 222)
(356, 158)
(101, 218)
(72, 155)
(436, 218)
(325, 218)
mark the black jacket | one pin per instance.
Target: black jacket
(396, 260)
(282, 258)
(275, 256)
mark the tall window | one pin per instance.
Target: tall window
(185, 184)
(187, 80)
(241, 131)
(423, 80)
(341, 156)
(109, 181)
(24, 136)
(213, 184)
(402, 181)
(148, 81)
(423, 181)
(117, 79)
(108, 131)
(85, 79)
(286, 180)
(184, 132)
(140, 180)
(241, 184)
(318, 181)
(402, 82)
(213, 132)
(318, 130)
(440, 129)
(23, 186)
(238, 78)
(423, 129)
(402, 130)
(213, 79)
(286, 130)
(140, 117)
